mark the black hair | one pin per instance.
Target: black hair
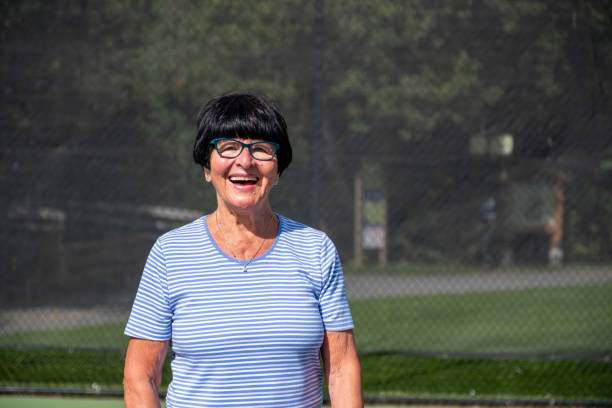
(241, 116)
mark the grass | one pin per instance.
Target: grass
(50, 368)
(389, 375)
(104, 336)
(544, 320)
(396, 375)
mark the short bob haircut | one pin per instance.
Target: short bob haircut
(241, 116)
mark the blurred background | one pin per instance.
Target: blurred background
(458, 153)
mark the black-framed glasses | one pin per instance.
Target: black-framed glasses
(231, 148)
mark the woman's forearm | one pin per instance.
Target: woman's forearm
(142, 374)
(342, 369)
(141, 393)
(344, 386)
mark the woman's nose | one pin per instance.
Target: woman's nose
(244, 158)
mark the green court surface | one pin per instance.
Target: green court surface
(58, 402)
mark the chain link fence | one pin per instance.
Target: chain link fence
(459, 154)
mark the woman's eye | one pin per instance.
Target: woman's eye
(228, 147)
(263, 148)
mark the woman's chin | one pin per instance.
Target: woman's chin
(245, 204)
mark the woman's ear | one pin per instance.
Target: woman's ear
(207, 174)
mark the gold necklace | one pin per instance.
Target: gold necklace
(244, 267)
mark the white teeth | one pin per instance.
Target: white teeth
(237, 178)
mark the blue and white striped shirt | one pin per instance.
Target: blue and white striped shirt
(242, 339)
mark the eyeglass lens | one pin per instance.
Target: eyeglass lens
(259, 150)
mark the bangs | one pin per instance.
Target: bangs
(246, 119)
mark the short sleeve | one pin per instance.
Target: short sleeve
(333, 302)
(151, 316)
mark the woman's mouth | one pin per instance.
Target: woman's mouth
(244, 180)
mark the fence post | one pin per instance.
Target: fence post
(357, 220)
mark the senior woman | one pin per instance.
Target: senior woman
(249, 300)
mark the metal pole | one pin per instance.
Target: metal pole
(358, 221)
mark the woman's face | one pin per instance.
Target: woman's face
(242, 182)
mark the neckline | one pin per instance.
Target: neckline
(243, 262)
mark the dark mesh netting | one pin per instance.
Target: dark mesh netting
(458, 153)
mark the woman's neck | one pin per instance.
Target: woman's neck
(247, 222)
(243, 235)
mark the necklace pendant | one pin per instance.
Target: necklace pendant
(244, 268)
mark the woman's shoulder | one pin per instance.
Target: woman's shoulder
(187, 232)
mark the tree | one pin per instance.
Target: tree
(404, 85)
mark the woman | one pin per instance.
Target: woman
(250, 300)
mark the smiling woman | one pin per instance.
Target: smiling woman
(251, 301)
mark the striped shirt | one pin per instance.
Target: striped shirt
(242, 338)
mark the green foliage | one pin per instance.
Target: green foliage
(590, 223)
(81, 369)
(390, 375)
(184, 55)
(395, 375)
(393, 77)
(385, 63)
(109, 91)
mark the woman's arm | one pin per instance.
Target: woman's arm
(142, 374)
(342, 370)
